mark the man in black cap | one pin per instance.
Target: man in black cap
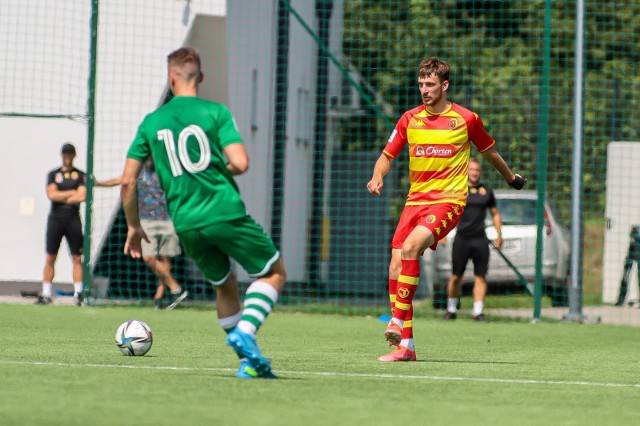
(66, 189)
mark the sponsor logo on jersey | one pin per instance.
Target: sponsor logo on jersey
(474, 190)
(444, 223)
(403, 292)
(419, 123)
(393, 135)
(431, 218)
(437, 229)
(59, 178)
(453, 123)
(439, 151)
(419, 151)
(66, 175)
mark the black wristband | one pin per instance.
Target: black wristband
(518, 183)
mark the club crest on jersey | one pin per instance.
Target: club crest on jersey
(419, 151)
(431, 218)
(453, 123)
(482, 191)
(74, 175)
(59, 178)
(403, 292)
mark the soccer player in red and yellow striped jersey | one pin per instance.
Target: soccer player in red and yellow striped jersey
(439, 134)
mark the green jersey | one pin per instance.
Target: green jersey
(186, 137)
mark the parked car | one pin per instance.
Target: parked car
(518, 212)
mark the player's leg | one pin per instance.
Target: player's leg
(247, 243)
(459, 258)
(432, 224)
(406, 223)
(73, 234)
(480, 269)
(54, 235)
(394, 272)
(151, 263)
(406, 336)
(170, 248)
(203, 246)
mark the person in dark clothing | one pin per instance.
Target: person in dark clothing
(66, 189)
(471, 242)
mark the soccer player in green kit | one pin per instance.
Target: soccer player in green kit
(197, 149)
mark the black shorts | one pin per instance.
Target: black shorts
(68, 226)
(474, 248)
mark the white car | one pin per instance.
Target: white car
(518, 212)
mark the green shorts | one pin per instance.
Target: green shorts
(242, 239)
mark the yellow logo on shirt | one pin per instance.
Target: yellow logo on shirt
(453, 123)
(66, 175)
(482, 191)
(74, 175)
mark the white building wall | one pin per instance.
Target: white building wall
(51, 51)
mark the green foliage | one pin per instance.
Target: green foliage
(495, 49)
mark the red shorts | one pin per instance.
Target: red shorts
(440, 219)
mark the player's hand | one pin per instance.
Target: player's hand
(132, 246)
(497, 243)
(518, 182)
(375, 186)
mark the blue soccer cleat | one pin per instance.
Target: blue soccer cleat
(246, 347)
(246, 371)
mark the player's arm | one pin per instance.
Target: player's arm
(129, 191)
(78, 196)
(57, 196)
(497, 223)
(380, 170)
(498, 163)
(108, 183)
(237, 158)
(129, 195)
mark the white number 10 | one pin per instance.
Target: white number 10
(181, 158)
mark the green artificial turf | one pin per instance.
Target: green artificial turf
(59, 366)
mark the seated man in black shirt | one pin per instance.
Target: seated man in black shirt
(471, 242)
(66, 190)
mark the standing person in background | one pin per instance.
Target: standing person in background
(439, 135)
(163, 244)
(66, 189)
(471, 242)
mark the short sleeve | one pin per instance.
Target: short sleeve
(479, 135)
(227, 128)
(397, 139)
(492, 200)
(82, 178)
(139, 149)
(51, 177)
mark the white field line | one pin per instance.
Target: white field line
(337, 374)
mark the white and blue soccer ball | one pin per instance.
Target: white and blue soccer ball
(134, 338)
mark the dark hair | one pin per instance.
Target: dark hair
(434, 66)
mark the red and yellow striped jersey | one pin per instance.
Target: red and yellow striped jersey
(439, 152)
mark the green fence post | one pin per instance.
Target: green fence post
(543, 150)
(91, 112)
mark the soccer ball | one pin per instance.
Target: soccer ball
(134, 338)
